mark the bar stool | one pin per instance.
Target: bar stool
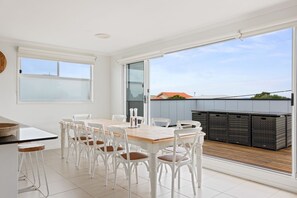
(26, 150)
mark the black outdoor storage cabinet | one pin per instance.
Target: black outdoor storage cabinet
(269, 131)
(202, 117)
(239, 129)
(218, 127)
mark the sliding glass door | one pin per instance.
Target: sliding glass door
(137, 91)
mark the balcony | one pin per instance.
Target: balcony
(278, 159)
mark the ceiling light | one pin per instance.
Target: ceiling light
(102, 35)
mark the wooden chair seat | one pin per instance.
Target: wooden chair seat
(110, 149)
(30, 147)
(92, 142)
(83, 138)
(169, 158)
(135, 156)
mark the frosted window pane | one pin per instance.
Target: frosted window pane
(51, 89)
(136, 72)
(75, 70)
(37, 66)
(135, 92)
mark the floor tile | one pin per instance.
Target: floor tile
(66, 180)
(284, 194)
(250, 189)
(76, 193)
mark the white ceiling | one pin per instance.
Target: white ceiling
(73, 23)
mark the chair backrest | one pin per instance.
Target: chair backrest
(119, 118)
(140, 120)
(98, 133)
(182, 124)
(67, 125)
(77, 117)
(120, 139)
(163, 122)
(80, 130)
(188, 146)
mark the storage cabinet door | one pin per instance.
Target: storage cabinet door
(218, 127)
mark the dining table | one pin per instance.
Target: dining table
(152, 139)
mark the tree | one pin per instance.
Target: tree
(266, 95)
(176, 97)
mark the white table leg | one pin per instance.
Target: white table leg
(153, 174)
(62, 140)
(199, 165)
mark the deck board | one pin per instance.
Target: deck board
(280, 160)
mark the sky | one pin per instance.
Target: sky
(50, 67)
(235, 67)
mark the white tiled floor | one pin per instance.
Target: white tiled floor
(66, 181)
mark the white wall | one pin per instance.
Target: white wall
(47, 115)
(117, 95)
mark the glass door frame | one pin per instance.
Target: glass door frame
(146, 89)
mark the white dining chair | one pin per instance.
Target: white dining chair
(128, 159)
(83, 137)
(78, 117)
(163, 122)
(119, 118)
(68, 126)
(103, 147)
(176, 160)
(182, 124)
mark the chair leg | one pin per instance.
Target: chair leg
(32, 169)
(178, 178)
(106, 171)
(136, 172)
(94, 165)
(68, 151)
(161, 170)
(21, 164)
(129, 178)
(172, 180)
(115, 174)
(38, 172)
(193, 178)
(89, 160)
(80, 150)
(45, 177)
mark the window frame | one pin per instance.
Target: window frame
(42, 76)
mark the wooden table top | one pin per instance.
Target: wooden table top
(152, 134)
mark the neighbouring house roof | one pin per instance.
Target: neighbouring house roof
(153, 97)
(165, 95)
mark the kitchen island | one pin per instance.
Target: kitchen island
(9, 155)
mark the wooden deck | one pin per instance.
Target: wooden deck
(277, 160)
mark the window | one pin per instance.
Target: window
(46, 80)
(229, 77)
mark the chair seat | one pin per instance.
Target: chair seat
(82, 138)
(169, 158)
(92, 142)
(134, 156)
(109, 148)
(30, 147)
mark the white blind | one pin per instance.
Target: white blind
(56, 55)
